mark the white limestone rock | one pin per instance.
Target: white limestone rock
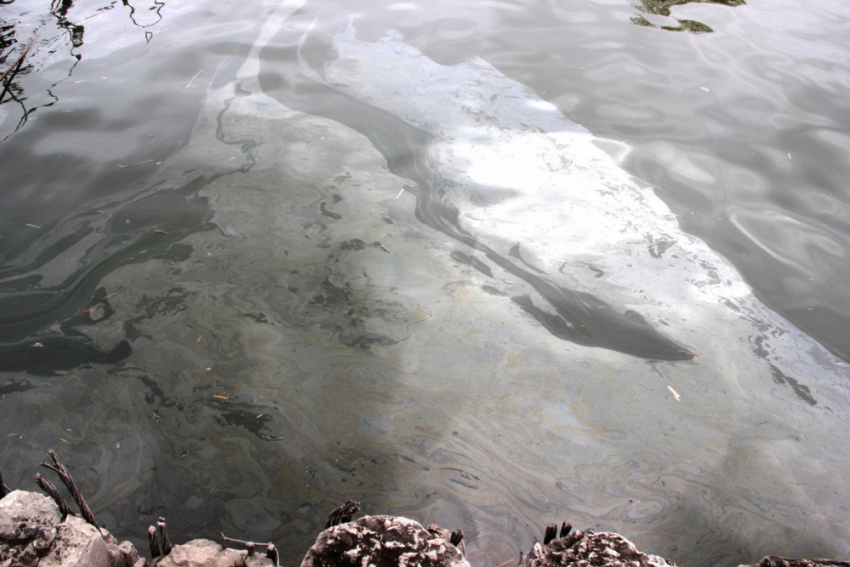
(32, 534)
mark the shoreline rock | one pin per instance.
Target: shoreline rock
(385, 541)
(34, 534)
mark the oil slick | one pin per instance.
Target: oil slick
(490, 351)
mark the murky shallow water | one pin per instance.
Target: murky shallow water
(392, 267)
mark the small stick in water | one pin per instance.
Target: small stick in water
(193, 78)
(675, 394)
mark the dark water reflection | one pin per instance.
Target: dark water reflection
(662, 8)
(259, 258)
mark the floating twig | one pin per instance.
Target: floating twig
(137, 163)
(675, 393)
(98, 13)
(342, 514)
(51, 491)
(193, 78)
(68, 481)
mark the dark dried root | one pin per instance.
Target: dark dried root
(68, 481)
(4, 490)
(153, 541)
(271, 550)
(163, 532)
(54, 493)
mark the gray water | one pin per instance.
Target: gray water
(492, 265)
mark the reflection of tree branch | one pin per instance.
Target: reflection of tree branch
(662, 8)
(12, 91)
(59, 8)
(17, 64)
(133, 13)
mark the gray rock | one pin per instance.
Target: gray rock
(79, 544)
(206, 553)
(32, 534)
(776, 561)
(590, 549)
(383, 541)
(27, 527)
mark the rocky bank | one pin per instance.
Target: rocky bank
(34, 531)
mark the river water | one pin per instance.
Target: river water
(488, 264)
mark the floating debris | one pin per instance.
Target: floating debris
(137, 163)
(675, 394)
(193, 78)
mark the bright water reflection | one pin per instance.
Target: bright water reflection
(280, 255)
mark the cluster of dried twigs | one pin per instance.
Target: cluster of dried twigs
(160, 545)
(552, 532)
(342, 514)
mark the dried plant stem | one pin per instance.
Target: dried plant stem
(68, 481)
(271, 550)
(163, 532)
(51, 490)
(342, 514)
(153, 542)
(4, 490)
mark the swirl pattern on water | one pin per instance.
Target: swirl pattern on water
(325, 343)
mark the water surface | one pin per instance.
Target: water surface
(459, 263)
